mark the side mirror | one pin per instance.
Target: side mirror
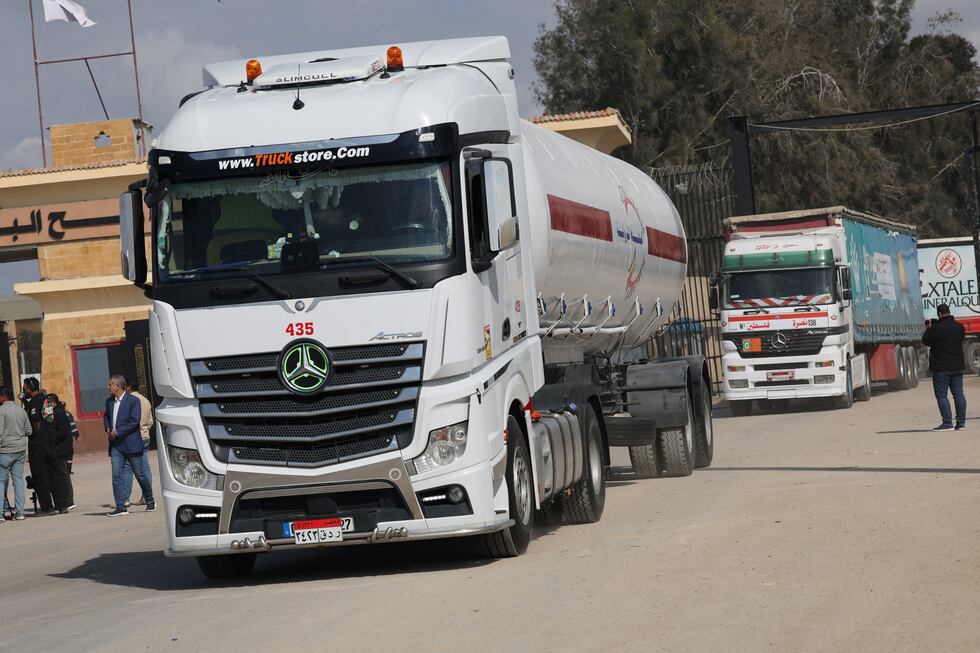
(132, 255)
(845, 283)
(501, 209)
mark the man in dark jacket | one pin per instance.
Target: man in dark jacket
(945, 341)
(122, 427)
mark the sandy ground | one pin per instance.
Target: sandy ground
(814, 530)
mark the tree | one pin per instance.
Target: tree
(676, 69)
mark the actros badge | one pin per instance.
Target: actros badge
(304, 366)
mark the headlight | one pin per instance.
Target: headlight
(738, 383)
(446, 446)
(189, 470)
(823, 378)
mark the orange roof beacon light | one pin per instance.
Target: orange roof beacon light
(252, 70)
(395, 62)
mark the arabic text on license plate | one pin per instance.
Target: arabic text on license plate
(780, 376)
(321, 531)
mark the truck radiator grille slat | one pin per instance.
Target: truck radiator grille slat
(367, 407)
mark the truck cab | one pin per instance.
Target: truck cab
(784, 312)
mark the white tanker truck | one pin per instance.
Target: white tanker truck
(386, 308)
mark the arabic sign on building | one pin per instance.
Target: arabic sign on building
(55, 223)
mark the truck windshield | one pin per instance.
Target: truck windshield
(780, 287)
(284, 223)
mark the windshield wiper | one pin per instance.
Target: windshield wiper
(411, 282)
(258, 278)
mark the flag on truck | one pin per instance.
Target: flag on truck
(67, 11)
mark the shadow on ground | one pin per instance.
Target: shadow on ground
(151, 570)
(860, 470)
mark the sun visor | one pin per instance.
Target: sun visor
(347, 69)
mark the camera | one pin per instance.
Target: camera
(30, 482)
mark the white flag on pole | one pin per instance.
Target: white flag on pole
(66, 10)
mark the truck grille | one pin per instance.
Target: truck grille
(367, 407)
(798, 343)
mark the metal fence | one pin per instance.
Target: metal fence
(704, 196)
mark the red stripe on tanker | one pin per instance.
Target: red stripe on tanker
(665, 245)
(579, 219)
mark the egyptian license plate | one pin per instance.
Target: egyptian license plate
(321, 531)
(787, 375)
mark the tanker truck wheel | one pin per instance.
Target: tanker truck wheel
(644, 460)
(231, 565)
(675, 447)
(588, 497)
(513, 541)
(704, 437)
(740, 408)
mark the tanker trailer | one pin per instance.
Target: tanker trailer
(385, 308)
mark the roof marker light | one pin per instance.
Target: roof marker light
(252, 69)
(395, 62)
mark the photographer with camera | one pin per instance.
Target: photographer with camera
(15, 429)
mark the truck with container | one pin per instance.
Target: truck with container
(949, 276)
(817, 303)
(385, 308)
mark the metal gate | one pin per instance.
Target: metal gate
(704, 196)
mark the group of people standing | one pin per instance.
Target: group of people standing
(42, 432)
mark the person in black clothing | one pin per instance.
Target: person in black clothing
(63, 449)
(945, 341)
(37, 447)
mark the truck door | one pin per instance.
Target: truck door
(495, 249)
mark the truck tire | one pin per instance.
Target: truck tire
(846, 400)
(513, 541)
(643, 458)
(864, 392)
(913, 365)
(585, 503)
(231, 565)
(675, 447)
(901, 377)
(971, 353)
(740, 408)
(704, 435)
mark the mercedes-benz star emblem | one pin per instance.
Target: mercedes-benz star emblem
(779, 341)
(304, 366)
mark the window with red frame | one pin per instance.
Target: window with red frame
(91, 367)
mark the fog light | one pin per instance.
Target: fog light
(823, 378)
(456, 494)
(186, 516)
(738, 383)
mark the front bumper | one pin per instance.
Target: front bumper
(784, 377)
(387, 474)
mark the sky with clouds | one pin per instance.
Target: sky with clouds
(174, 38)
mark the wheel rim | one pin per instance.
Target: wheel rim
(595, 461)
(708, 426)
(976, 358)
(522, 487)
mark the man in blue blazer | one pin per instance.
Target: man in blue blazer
(122, 427)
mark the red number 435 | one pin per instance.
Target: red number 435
(300, 329)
